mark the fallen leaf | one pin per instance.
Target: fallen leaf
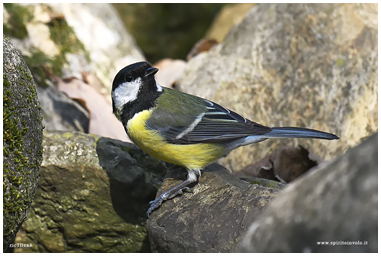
(102, 120)
(284, 164)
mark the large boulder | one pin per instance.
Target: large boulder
(92, 196)
(213, 217)
(332, 209)
(308, 65)
(22, 138)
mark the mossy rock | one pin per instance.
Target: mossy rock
(22, 138)
(92, 196)
(40, 61)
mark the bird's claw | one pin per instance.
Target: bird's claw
(154, 205)
(163, 197)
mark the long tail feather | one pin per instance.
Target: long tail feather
(296, 132)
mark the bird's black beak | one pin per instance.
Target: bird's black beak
(151, 72)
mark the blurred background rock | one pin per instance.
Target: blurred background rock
(167, 30)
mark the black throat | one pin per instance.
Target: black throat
(146, 99)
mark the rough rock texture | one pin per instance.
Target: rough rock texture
(93, 196)
(213, 218)
(60, 112)
(263, 182)
(334, 203)
(22, 138)
(308, 65)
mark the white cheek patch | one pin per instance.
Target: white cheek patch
(159, 87)
(126, 92)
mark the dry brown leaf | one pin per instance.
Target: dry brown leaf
(170, 71)
(203, 45)
(284, 164)
(102, 120)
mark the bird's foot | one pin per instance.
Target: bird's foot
(165, 196)
(154, 205)
(176, 190)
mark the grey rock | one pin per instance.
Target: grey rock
(213, 218)
(335, 203)
(262, 182)
(307, 65)
(22, 134)
(92, 196)
(60, 112)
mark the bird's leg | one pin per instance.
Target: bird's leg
(193, 176)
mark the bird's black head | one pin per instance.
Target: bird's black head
(134, 89)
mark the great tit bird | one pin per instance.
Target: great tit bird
(184, 129)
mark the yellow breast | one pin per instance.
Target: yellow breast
(193, 156)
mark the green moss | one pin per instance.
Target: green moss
(6, 83)
(5, 152)
(24, 131)
(40, 64)
(18, 17)
(64, 37)
(40, 151)
(329, 10)
(67, 135)
(15, 202)
(340, 62)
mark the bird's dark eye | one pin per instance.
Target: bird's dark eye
(129, 78)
